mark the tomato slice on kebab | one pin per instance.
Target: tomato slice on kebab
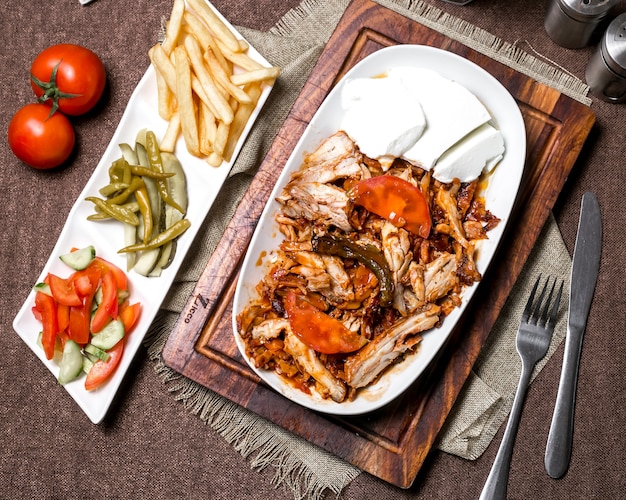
(395, 199)
(318, 330)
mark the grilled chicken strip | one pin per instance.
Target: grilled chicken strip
(440, 277)
(316, 202)
(325, 274)
(308, 362)
(336, 147)
(270, 328)
(447, 202)
(363, 368)
(397, 251)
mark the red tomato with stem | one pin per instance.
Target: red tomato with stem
(40, 139)
(69, 77)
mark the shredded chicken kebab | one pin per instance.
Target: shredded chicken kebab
(385, 284)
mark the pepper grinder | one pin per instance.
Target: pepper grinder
(572, 23)
(606, 69)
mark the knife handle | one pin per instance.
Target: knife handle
(559, 445)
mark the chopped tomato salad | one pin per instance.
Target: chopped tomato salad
(86, 316)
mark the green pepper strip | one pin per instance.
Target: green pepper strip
(156, 163)
(132, 206)
(116, 170)
(118, 212)
(368, 255)
(112, 188)
(127, 175)
(134, 185)
(148, 172)
(141, 195)
(172, 232)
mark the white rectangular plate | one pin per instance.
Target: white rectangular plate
(203, 184)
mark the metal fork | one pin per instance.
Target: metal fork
(532, 342)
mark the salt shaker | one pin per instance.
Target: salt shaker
(572, 23)
(606, 69)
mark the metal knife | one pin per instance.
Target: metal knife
(585, 265)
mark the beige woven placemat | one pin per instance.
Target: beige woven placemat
(295, 44)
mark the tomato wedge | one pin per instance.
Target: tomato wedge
(108, 308)
(63, 290)
(78, 328)
(63, 317)
(86, 280)
(395, 199)
(129, 314)
(102, 370)
(47, 307)
(318, 330)
(120, 276)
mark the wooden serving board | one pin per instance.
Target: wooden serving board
(391, 443)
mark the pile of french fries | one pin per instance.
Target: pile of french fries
(208, 86)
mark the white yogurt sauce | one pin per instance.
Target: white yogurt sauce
(372, 116)
(429, 120)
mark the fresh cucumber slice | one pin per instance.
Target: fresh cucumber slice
(96, 352)
(87, 364)
(72, 362)
(79, 259)
(43, 288)
(97, 297)
(109, 335)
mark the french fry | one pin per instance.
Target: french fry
(174, 25)
(215, 24)
(240, 59)
(166, 68)
(256, 75)
(242, 116)
(207, 129)
(224, 79)
(168, 143)
(194, 26)
(186, 107)
(220, 106)
(243, 45)
(166, 99)
(221, 137)
(207, 84)
(163, 65)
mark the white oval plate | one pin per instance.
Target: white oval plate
(499, 198)
(203, 184)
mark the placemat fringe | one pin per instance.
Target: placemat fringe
(539, 68)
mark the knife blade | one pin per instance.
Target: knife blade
(584, 274)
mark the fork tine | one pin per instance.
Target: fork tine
(551, 320)
(535, 317)
(531, 298)
(542, 317)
